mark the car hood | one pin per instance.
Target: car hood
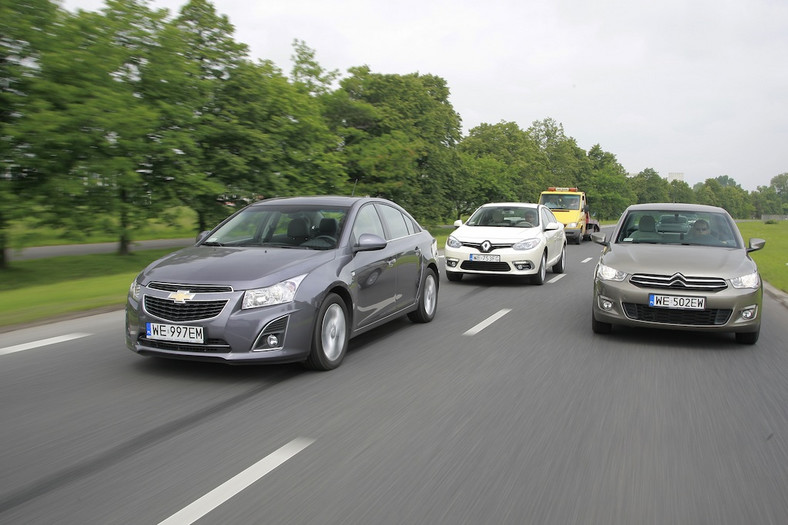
(241, 268)
(695, 261)
(494, 233)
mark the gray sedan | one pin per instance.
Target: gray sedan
(286, 280)
(680, 267)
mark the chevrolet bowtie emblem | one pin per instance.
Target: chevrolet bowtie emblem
(181, 296)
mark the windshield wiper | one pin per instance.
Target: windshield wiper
(212, 243)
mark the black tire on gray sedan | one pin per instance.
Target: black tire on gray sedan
(747, 338)
(428, 299)
(330, 336)
(599, 327)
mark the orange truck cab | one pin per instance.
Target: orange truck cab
(569, 205)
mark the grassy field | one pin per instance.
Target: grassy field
(45, 288)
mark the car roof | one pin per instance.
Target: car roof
(511, 204)
(676, 206)
(322, 200)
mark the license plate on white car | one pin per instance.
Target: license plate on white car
(481, 257)
(175, 332)
(677, 302)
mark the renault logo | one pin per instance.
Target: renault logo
(486, 246)
(181, 296)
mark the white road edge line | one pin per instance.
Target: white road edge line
(42, 342)
(586, 260)
(236, 484)
(487, 322)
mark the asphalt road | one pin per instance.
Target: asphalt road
(529, 418)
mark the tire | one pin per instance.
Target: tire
(748, 338)
(330, 335)
(454, 276)
(560, 266)
(599, 327)
(428, 299)
(539, 277)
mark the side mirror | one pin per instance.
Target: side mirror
(201, 236)
(755, 244)
(457, 223)
(600, 238)
(369, 242)
(552, 226)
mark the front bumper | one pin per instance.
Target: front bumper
(234, 336)
(621, 303)
(511, 262)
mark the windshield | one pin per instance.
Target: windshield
(505, 216)
(685, 227)
(561, 202)
(285, 226)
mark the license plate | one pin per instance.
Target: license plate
(484, 257)
(678, 302)
(175, 332)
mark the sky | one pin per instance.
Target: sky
(696, 87)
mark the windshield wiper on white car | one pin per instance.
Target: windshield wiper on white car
(212, 243)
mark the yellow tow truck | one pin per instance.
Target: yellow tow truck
(569, 205)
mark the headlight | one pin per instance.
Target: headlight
(527, 244)
(572, 225)
(134, 290)
(279, 293)
(606, 273)
(452, 242)
(751, 280)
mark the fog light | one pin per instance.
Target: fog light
(451, 263)
(272, 341)
(749, 312)
(522, 265)
(605, 304)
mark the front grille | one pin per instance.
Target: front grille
(712, 317)
(193, 288)
(211, 346)
(493, 246)
(678, 282)
(481, 266)
(180, 312)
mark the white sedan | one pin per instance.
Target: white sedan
(507, 238)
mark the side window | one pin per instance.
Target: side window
(395, 222)
(547, 217)
(367, 221)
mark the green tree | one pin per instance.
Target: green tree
(680, 191)
(308, 74)
(208, 46)
(394, 130)
(607, 189)
(25, 32)
(648, 186)
(85, 128)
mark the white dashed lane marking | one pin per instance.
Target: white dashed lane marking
(487, 322)
(40, 343)
(236, 484)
